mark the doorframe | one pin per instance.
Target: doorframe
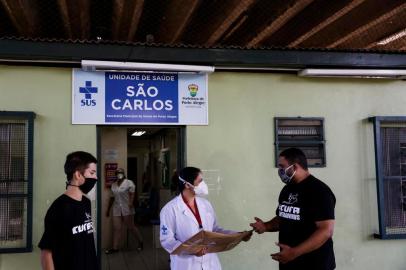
(181, 162)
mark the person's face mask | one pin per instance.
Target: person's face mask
(87, 185)
(202, 189)
(283, 174)
(120, 176)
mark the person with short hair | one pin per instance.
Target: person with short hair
(186, 215)
(304, 218)
(122, 202)
(68, 240)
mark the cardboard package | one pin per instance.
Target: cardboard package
(214, 242)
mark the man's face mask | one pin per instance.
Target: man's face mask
(120, 176)
(283, 174)
(87, 185)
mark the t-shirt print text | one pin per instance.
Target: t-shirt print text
(87, 226)
(286, 210)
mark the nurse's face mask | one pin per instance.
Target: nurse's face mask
(200, 190)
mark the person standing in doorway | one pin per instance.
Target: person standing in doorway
(68, 241)
(304, 218)
(122, 202)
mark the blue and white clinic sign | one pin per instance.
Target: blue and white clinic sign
(139, 98)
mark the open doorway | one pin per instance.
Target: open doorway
(150, 158)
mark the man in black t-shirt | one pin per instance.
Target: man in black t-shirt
(304, 217)
(68, 241)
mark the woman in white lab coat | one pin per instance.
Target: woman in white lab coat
(186, 215)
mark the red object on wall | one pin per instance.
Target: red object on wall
(110, 174)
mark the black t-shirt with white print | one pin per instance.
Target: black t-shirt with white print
(69, 234)
(300, 206)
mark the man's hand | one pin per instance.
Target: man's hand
(259, 226)
(286, 254)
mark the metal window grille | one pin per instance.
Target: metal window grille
(15, 181)
(390, 149)
(306, 134)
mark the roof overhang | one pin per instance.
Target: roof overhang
(71, 55)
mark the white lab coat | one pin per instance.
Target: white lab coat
(179, 224)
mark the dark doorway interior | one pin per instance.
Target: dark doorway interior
(152, 159)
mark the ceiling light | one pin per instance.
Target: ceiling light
(354, 73)
(90, 65)
(138, 133)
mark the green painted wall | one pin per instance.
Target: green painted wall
(238, 152)
(47, 92)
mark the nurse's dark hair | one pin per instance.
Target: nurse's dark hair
(188, 174)
(77, 161)
(295, 155)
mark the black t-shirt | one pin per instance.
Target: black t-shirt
(69, 234)
(300, 206)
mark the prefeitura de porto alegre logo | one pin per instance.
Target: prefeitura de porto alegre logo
(193, 88)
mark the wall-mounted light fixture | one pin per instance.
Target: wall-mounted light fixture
(354, 73)
(92, 65)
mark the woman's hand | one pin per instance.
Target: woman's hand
(202, 252)
(248, 236)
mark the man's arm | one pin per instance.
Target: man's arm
(46, 260)
(270, 226)
(323, 232)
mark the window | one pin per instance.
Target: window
(16, 150)
(306, 134)
(390, 159)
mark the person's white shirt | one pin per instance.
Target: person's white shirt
(178, 224)
(121, 198)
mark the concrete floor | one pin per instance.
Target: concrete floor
(129, 258)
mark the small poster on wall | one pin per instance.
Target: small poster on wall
(110, 174)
